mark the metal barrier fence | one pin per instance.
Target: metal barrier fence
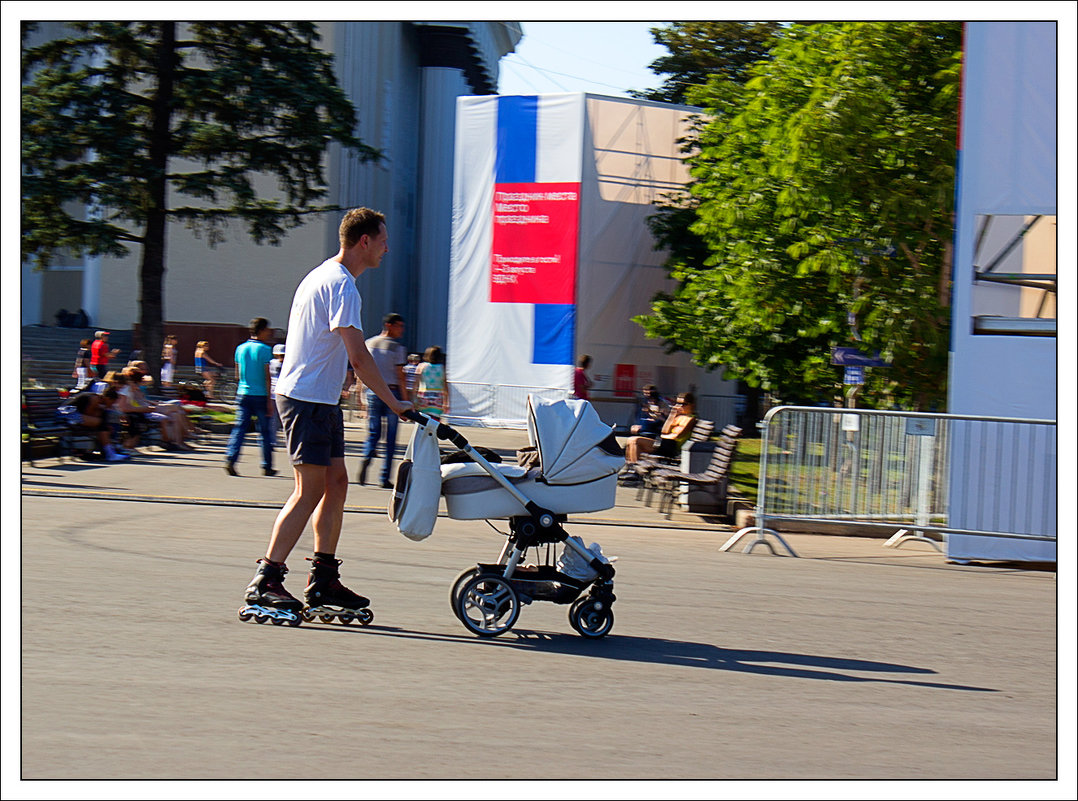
(912, 473)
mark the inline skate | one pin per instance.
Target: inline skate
(328, 600)
(268, 600)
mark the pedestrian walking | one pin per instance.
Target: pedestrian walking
(253, 359)
(390, 356)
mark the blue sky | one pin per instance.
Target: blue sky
(606, 58)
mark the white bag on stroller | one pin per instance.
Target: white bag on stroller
(414, 507)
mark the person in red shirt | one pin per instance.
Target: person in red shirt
(100, 353)
(581, 380)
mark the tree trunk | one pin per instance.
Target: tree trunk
(152, 269)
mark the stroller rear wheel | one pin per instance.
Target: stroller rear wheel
(487, 605)
(457, 585)
(592, 618)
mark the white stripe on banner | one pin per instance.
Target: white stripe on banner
(559, 141)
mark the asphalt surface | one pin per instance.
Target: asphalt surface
(852, 661)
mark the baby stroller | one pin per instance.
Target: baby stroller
(571, 467)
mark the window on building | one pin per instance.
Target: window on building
(1014, 275)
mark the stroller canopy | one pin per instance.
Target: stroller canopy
(574, 445)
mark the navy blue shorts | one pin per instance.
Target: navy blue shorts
(314, 431)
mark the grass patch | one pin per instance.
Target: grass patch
(745, 471)
(219, 416)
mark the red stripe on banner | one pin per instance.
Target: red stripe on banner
(534, 247)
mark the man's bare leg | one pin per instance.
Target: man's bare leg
(324, 593)
(306, 498)
(329, 515)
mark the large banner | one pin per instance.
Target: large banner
(553, 257)
(513, 273)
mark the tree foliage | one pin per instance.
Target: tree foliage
(823, 195)
(128, 125)
(699, 50)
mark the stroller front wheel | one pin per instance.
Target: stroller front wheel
(487, 605)
(591, 618)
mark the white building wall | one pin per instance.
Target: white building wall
(1007, 166)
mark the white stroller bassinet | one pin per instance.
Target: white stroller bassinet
(577, 458)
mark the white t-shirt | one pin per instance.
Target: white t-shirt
(315, 360)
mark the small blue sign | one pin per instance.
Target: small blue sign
(854, 375)
(852, 357)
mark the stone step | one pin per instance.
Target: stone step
(55, 344)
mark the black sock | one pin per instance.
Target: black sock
(325, 557)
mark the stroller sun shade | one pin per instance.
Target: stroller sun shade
(574, 445)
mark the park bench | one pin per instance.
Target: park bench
(45, 431)
(649, 463)
(714, 478)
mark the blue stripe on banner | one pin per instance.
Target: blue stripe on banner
(555, 330)
(518, 119)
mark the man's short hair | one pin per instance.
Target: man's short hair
(392, 318)
(258, 325)
(360, 222)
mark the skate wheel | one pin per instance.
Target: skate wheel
(345, 618)
(294, 622)
(244, 615)
(277, 621)
(307, 616)
(326, 618)
(260, 618)
(365, 617)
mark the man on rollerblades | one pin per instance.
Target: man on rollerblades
(325, 335)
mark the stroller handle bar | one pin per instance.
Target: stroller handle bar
(444, 432)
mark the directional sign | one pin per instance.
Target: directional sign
(854, 375)
(852, 357)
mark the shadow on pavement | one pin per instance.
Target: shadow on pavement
(683, 654)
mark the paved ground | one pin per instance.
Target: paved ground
(853, 661)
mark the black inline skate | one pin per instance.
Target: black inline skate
(328, 599)
(267, 599)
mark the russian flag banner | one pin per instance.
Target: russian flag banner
(513, 282)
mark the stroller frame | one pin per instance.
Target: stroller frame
(487, 597)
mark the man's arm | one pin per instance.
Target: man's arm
(367, 371)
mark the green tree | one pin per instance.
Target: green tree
(128, 125)
(823, 188)
(699, 50)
